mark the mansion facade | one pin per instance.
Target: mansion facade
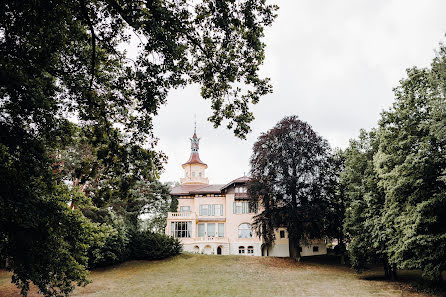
(217, 218)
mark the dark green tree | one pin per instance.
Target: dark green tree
(334, 220)
(365, 200)
(156, 202)
(411, 163)
(289, 167)
(62, 62)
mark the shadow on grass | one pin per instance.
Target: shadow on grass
(406, 278)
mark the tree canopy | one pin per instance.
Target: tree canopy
(395, 179)
(290, 168)
(64, 74)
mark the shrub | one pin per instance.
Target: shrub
(146, 245)
(113, 251)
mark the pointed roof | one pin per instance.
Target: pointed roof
(194, 156)
(194, 159)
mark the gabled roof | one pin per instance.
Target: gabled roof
(196, 189)
(240, 180)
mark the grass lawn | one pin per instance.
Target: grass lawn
(203, 275)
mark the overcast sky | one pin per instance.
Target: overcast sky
(332, 63)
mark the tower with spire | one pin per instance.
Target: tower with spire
(194, 168)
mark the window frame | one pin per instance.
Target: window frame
(221, 234)
(181, 229)
(185, 206)
(282, 232)
(241, 231)
(204, 230)
(209, 232)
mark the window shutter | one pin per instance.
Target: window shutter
(233, 207)
(172, 229)
(213, 209)
(201, 210)
(221, 209)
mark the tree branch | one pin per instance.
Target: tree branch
(93, 41)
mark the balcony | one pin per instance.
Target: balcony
(185, 215)
(241, 196)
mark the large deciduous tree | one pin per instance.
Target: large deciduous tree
(62, 61)
(365, 200)
(411, 162)
(290, 167)
(395, 179)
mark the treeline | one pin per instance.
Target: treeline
(383, 198)
(394, 180)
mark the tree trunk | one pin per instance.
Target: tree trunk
(394, 275)
(294, 250)
(386, 269)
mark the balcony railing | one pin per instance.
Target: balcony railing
(211, 238)
(181, 215)
(241, 196)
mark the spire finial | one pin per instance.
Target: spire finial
(195, 123)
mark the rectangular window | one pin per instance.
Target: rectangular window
(211, 230)
(241, 207)
(221, 230)
(181, 229)
(218, 209)
(315, 249)
(184, 208)
(204, 209)
(211, 210)
(282, 234)
(200, 230)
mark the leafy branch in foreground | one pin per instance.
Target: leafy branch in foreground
(62, 63)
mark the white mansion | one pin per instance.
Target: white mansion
(216, 219)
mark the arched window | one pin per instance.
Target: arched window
(244, 231)
(241, 249)
(250, 250)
